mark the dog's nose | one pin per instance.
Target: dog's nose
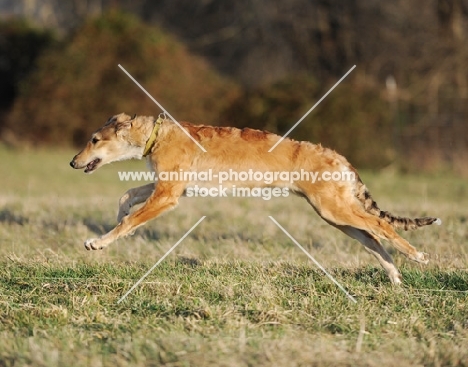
(72, 163)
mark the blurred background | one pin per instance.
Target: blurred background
(256, 63)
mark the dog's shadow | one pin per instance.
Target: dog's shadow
(10, 217)
(151, 234)
(97, 227)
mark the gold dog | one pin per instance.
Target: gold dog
(345, 204)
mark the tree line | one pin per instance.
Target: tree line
(251, 63)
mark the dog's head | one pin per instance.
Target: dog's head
(121, 138)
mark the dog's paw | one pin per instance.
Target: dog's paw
(396, 278)
(420, 257)
(93, 244)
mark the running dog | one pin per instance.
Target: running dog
(345, 204)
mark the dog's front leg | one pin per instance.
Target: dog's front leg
(133, 197)
(165, 197)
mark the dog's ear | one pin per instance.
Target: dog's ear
(110, 120)
(122, 128)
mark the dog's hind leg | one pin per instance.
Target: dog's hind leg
(381, 229)
(374, 247)
(132, 197)
(165, 197)
(352, 213)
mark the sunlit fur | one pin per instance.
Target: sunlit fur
(346, 205)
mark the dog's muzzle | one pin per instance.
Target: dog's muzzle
(88, 168)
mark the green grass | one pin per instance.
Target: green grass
(236, 292)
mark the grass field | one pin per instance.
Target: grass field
(236, 292)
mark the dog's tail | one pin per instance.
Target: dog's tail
(396, 222)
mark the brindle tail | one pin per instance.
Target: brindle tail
(396, 222)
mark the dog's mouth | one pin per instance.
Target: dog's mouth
(91, 166)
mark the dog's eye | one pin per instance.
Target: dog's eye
(95, 140)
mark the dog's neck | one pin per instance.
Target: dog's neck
(143, 134)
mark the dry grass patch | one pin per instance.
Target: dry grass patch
(236, 292)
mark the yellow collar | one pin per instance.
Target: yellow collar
(152, 139)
